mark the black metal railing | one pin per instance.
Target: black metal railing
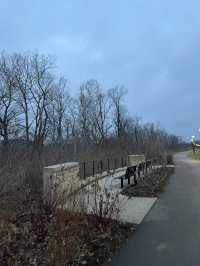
(94, 167)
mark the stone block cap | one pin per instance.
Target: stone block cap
(61, 167)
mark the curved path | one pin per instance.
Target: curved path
(170, 233)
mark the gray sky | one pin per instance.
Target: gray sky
(151, 47)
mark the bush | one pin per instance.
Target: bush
(104, 206)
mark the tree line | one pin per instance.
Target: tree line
(37, 109)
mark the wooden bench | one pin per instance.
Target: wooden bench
(135, 171)
(148, 164)
(130, 171)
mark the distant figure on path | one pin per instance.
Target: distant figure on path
(193, 144)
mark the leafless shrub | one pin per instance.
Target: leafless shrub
(104, 206)
(65, 193)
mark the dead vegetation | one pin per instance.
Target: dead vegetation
(41, 235)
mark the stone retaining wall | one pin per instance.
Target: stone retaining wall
(64, 179)
(59, 178)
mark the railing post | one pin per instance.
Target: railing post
(135, 178)
(139, 168)
(122, 182)
(84, 170)
(101, 165)
(108, 161)
(115, 163)
(93, 167)
(125, 163)
(145, 167)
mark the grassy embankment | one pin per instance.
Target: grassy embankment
(195, 155)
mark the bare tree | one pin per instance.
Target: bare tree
(58, 109)
(84, 102)
(41, 93)
(94, 112)
(116, 96)
(71, 118)
(101, 117)
(8, 108)
(24, 83)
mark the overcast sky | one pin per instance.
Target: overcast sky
(151, 47)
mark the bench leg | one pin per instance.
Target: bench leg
(122, 182)
(129, 181)
(135, 179)
(139, 174)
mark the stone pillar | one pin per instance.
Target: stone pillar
(60, 178)
(135, 159)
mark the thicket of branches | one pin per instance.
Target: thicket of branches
(37, 111)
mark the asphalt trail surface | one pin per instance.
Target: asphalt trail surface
(170, 233)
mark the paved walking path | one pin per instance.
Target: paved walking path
(170, 233)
